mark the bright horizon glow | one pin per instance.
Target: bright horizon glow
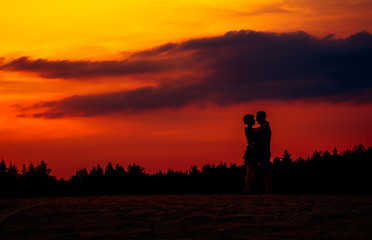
(180, 139)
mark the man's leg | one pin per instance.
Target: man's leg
(265, 165)
(268, 182)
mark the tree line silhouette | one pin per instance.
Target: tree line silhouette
(346, 172)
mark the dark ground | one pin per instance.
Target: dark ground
(187, 217)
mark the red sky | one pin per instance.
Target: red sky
(166, 85)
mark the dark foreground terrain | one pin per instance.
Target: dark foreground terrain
(187, 217)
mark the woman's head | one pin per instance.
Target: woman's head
(249, 119)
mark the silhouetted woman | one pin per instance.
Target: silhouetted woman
(250, 156)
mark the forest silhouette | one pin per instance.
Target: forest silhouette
(347, 172)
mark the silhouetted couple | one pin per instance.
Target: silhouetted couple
(257, 154)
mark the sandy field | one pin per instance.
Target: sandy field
(187, 217)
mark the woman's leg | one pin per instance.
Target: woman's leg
(248, 179)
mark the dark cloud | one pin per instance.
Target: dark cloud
(87, 69)
(236, 67)
(170, 96)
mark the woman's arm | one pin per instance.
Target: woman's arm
(260, 128)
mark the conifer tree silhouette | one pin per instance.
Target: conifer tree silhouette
(346, 172)
(3, 168)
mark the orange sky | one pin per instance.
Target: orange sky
(100, 29)
(160, 138)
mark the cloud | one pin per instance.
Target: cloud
(155, 51)
(138, 100)
(237, 67)
(67, 69)
(273, 8)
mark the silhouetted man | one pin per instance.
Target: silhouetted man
(262, 144)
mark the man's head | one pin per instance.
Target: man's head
(249, 119)
(261, 117)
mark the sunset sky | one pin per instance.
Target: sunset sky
(165, 84)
